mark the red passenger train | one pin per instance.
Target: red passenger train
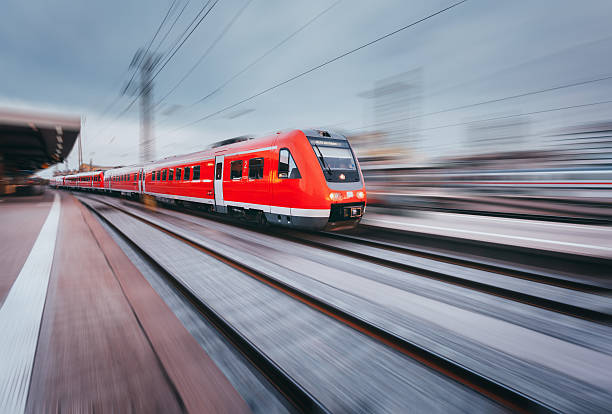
(301, 178)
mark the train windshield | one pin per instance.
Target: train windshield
(336, 159)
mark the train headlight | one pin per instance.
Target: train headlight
(360, 194)
(335, 196)
(342, 176)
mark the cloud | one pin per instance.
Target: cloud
(74, 56)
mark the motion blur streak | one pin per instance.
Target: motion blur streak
(321, 206)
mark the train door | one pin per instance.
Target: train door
(218, 186)
(141, 182)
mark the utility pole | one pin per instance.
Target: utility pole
(145, 62)
(81, 144)
(80, 153)
(146, 113)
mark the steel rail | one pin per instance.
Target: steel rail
(502, 394)
(295, 394)
(533, 300)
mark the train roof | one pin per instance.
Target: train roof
(222, 147)
(209, 153)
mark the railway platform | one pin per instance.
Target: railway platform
(109, 305)
(82, 329)
(563, 238)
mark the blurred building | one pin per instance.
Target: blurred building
(396, 107)
(583, 145)
(499, 136)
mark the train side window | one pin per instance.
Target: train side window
(187, 173)
(158, 175)
(287, 168)
(219, 171)
(177, 174)
(196, 172)
(164, 174)
(170, 174)
(256, 168)
(153, 176)
(236, 170)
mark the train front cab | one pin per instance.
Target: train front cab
(319, 178)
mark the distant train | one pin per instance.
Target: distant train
(306, 179)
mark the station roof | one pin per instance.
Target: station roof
(31, 141)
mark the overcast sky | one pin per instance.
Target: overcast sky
(72, 57)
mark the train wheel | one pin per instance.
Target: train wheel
(262, 221)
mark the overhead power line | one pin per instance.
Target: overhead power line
(118, 98)
(176, 49)
(138, 58)
(178, 16)
(160, 26)
(189, 26)
(169, 58)
(562, 108)
(267, 53)
(490, 101)
(206, 52)
(321, 65)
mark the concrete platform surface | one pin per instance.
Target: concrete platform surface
(98, 338)
(21, 219)
(580, 239)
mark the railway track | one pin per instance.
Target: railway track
(378, 252)
(541, 277)
(490, 283)
(299, 397)
(295, 394)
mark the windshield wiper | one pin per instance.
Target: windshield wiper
(329, 171)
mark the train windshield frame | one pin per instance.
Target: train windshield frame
(336, 159)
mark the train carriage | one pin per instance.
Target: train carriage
(300, 178)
